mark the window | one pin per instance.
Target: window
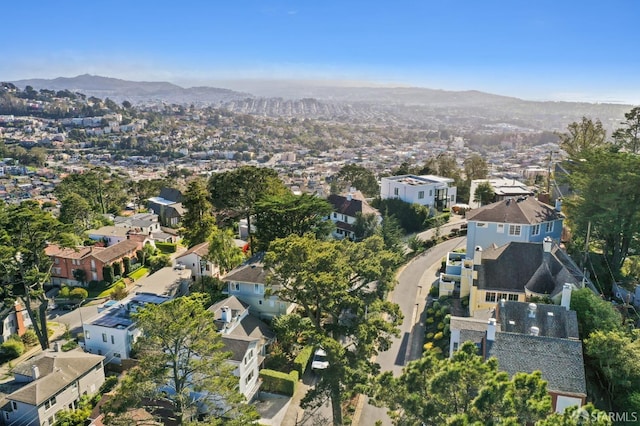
(56, 260)
(335, 215)
(258, 288)
(104, 337)
(500, 228)
(513, 297)
(515, 230)
(490, 296)
(535, 229)
(87, 335)
(481, 225)
(395, 191)
(235, 287)
(431, 193)
(113, 340)
(549, 227)
(50, 403)
(14, 405)
(249, 377)
(51, 420)
(455, 346)
(420, 195)
(117, 355)
(453, 198)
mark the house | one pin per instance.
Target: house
(345, 211)
(522, 219)
(502, 188)
(525, 337)
(247, 283)
(516, 272)
(14, 319)
(195, 260)
(89, 259)
(110, 235)
(48, 383)
(168, 206)
(113, 332)
(429, 190)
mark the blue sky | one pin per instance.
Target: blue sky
(536, 49)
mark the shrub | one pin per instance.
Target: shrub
(158, 262)
(440, 326)
(446, 330)
(438, 336)
(427, 346)
(429, 336)
(278, 382)
(119, 291)
(109, 383)
(436, 350)
(29, 338)
(436, 305)
(434, 291)
(78, 293)
(64, 292)
(107, 273)
(126, 263)
(167, 247)
(430, 311)
(302, 360)
(71, 344)
(117, 269)
(429, 320)
(12, 349)
(447, 318)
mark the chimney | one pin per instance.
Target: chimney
(35, 372)
(349, 196)
(558, 205)
(477, 256)
(534, 331)
(566, 296)
(226, 314)
(532, 310)
(546, 245)
(491, 330)
(20, 327)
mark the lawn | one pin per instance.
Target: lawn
(103, 290)
(139, 273)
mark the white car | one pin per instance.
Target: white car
(319, 361)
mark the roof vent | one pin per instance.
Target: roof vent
(535, 331)
(532, 310)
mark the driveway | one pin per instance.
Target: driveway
(414, 283)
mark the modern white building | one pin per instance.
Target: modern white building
(429, 190)
(502, 187)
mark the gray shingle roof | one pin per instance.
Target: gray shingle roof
(237, 346)
(528, 211)
(343, 205)
(559, 360)
(116, 251)
(251, 272)
(551, 320)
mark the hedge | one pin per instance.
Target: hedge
(278, 382)
(167, 247)
(302, 360)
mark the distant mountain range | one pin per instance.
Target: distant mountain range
(349, 102)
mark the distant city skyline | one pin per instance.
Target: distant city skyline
(538, 50)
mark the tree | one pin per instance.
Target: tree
(594, 313)
(475, 167)
(181, 357)
(464, 390)
(198, 221)
(484, 194)
(75, 211)
(361, 178)
(587, 415)
(282, 215)
(223, 250)
(235, 193)
(391, 234)
(25, 231)
(365, 225)
(582, 136)
(607, 186)
(80, 275)
(332, 283)
(292, 331)
(104, 190)
(628, 137)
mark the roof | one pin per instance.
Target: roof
(201, 250)
(232, 302)
(67, 252)
(116, 251)
(350, 205)
(517, 266)
(467, 323)
(523, 210)
(57, 370)
(171, 194)
(551, 320)
(414, 180)
(251, 272)
(559, 360)
(237, 345)
(107, 231)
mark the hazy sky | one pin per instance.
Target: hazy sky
(536, 49)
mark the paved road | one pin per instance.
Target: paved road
(75, 318)
(414, 283)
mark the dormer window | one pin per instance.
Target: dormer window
(549, 227)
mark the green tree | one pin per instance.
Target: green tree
(198, 221)
(235, 193)
(628, 137)
(361, 178)
(142, 190)
(75, 211)
(475, 167)
(282, 215)
(464, 390)
(104, 190)
(582, 136)
(223, 250)
(182, 353)
(606, 184)
(587, 415)
(25, 231)
(365, 225)
(331, 282)
(80, 275)
(594, 313)
(391, 234)
(484, 194)
(292, 330)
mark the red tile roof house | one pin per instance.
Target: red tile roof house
(90, 259)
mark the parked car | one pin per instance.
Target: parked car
(319, 361)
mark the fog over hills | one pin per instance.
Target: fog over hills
(349, 102)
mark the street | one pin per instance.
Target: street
(414, 283)
(74, 319)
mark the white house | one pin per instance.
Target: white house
(48, 383)
(429, 190)
(346, 209)
(194, 260)
(14, 319)
(503, 189)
